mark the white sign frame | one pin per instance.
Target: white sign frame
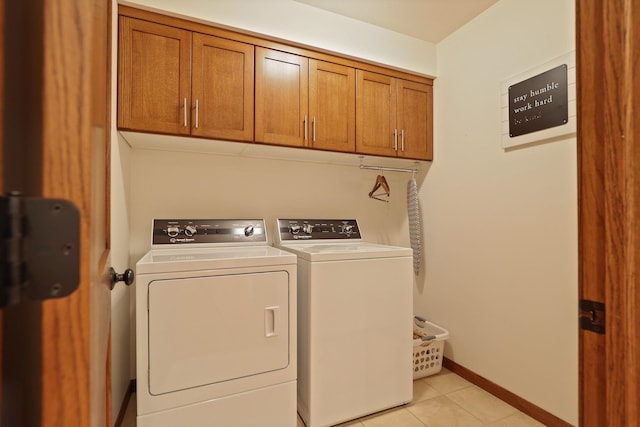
(551, 133)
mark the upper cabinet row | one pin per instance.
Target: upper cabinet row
(183, 82)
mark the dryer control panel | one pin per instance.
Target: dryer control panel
(318, 229)
(208, 231)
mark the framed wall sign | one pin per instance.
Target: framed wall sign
(540, 104)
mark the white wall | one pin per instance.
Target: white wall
(193, 185)
(501, 226)
(290, 20)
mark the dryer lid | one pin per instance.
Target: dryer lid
(194, 259)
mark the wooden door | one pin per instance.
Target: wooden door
(376, 131)
(415, 120)
(332, 106)
(608, 82)
(222, 88)
(2, 166)
(154, 77)
(282, 98)
(55, 352)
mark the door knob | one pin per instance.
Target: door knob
(126, 277)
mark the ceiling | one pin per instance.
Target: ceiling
(429, 20)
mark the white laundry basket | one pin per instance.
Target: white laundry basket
(428, 347)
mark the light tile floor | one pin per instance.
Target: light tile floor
(441, 400)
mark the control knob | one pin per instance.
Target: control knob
(172, 231)
(347, 228)
(307, 228)
(190, 230)
(248, 230)
(295, 228)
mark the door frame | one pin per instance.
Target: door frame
(608, 66)
(609, 207)
(55, 137)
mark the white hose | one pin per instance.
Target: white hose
(415, 228)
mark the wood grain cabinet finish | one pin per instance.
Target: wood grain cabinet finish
(376, 114)
(154, 77)
(394, 117)
(183, 78)
(332, 106)
(175, 81)
(415, 120)
(281, 98)
(222, 88)
(304, 102)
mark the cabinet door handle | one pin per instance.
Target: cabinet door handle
(305, 128)
(402, 140)
(197, 115)
(314, 128)
(185, 112)
(395, 139)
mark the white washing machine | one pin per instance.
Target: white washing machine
(355, 311)
(216, 327)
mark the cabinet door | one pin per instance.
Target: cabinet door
(415, 120)
(332, 106)
(282, 91)
(154, 77)
(222, 88)
(375, 114)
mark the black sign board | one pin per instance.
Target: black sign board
(538, 103)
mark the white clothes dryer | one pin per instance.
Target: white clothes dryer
(355, 311)
(216, 327)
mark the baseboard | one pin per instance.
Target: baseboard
(125, 403)
(505, 395)
(535, 412)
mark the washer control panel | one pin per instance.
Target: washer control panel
(209, 231)
(318, 229)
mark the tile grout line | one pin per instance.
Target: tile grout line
(414, 415)
(462, 407)
(516, 410)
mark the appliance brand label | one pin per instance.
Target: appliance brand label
(181, 240)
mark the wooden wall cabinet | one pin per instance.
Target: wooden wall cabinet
(304, 102)
(415, 120)
(376, 114)
(180, 82)
(281, 101)
(394, 117)
(180, 77)
(154, 77)
(332, 106)
(222, 88)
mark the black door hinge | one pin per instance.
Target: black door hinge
(592, 316)
(40, 254)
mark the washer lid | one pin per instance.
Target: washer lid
(344, 251)
(190, 259)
